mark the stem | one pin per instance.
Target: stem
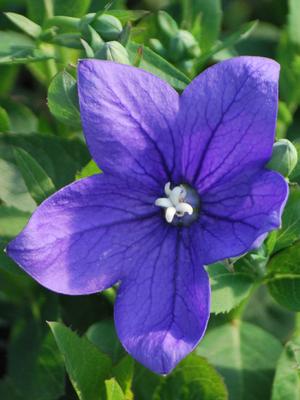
(297, 325)
(48, 8)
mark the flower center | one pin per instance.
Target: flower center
(181, 204)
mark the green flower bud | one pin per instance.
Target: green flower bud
(183, 45)
(284, 157)
(167, 25)
(108, 26)
(113, 51)
(157, 46)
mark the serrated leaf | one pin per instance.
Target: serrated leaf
(192, 379)
(31, 28)
(152, 62)
(290, 230)
(287, 377)
(38, 183)
(63, 99)
(228, 289)
(284, 277)
(113, 390)
(245, 356)
(87, 367)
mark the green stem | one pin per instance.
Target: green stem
(297, 325)
(48, 8)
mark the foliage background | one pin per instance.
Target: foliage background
(251, 350)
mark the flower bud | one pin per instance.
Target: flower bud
(157, 46)
(167, 25)
(108, 26)
(284, 157)
(113, 51)
(183, 45)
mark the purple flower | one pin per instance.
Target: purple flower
(184, 185)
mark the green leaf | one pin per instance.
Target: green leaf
(128, 15)
(21, 118)
(12, 221)
(4, 120)
(227, 42)
(60, 158)
(38, 183)
(266, 313)
(8, 390)
(8, 77)
(63, 99)
(290, 230)
(16, 48)
(39, 374)
(87, 367)
(104, 336)
(295, 175)
(71, 8)
(90, 169)
(39, 10)
(31, 28)
(34, 365)
(12, 187)
(228, 289)
(289, 59)
(287, 377)
(158, 66)
(13, 41)
(245, 356)
(293, 21)
(113, 390)
(193, 379)
(145, 382)
(123, 372)
(210, 12)
(284, 277)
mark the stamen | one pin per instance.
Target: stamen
(170, 214)
(184, 208)
(174, 203)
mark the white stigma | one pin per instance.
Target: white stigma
(174, 203)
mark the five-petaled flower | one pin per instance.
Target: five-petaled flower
(184, 185)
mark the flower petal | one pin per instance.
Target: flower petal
(83, 238)
(235, 215)
(162, 309)
(227, 118)
(130, 112)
